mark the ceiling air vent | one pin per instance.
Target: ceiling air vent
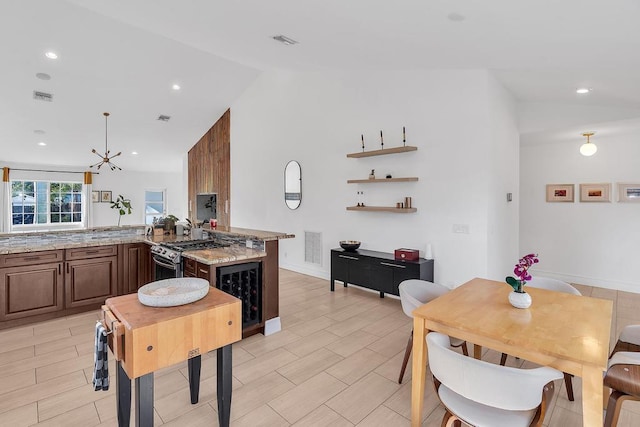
(284, 40)
(163, 118)
(42, 96)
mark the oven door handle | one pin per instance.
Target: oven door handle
(162, 263)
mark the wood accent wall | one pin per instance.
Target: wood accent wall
(210, 168)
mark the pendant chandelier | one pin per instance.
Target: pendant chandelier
(588, 148)
(105, 158)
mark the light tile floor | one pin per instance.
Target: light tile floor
(335, 363)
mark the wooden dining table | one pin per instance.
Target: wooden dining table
(568, 332)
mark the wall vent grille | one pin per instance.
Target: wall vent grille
(313, 247)
(163, 118)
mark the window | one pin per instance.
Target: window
(46, 203)
(155, 205)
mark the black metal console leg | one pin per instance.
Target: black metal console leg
(381, 294)
(123, 396)
(224, 385)
(333, 285)
(194, 377)
(144, 400)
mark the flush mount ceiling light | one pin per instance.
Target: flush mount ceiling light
(42, 144)
(583, 90)
(284, 40)
(51, 55)
(106, 159)
(588, 148)
(175, 87)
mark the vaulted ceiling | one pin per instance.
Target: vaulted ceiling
(124, 56)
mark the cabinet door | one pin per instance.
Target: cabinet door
(189, 267)
(90, 281)
(340, 266)
(30, 290)
(135, 267)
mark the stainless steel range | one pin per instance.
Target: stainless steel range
(167, 257)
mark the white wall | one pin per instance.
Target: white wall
(502, 216)
(128, 183)
(588, 243)
(318, 118)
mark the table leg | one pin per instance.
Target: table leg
(123, 396)
(477, 351)
(144, 400)
(333, 284)
(419, 368)
(194, 365)
(592, 395)
(223, 356)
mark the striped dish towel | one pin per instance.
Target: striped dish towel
(101, 364)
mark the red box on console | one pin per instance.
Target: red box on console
(405, 254)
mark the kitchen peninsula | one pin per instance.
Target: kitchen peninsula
(54, 274)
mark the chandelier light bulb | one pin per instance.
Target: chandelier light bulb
(588, 148)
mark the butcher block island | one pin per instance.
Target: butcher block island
(54, 274)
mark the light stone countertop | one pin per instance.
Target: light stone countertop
(33, 242)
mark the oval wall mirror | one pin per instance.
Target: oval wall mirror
(292, 184)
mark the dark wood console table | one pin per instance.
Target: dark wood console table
(379, 271)
(144, 339)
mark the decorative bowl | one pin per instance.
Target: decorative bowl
(349, 245)
(172, 292)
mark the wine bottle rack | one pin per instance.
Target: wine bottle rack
(243, 281)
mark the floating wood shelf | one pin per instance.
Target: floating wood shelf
(383, 151)
(381, 209)
(368, 181)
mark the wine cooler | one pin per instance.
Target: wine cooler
(243, 281)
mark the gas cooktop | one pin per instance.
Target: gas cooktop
(191, 245)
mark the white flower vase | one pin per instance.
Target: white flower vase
(520, 299)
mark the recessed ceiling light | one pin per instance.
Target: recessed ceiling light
(51, 55)
(583, 90)
(135, 153)
(175, 87)
(42, 144)
(43, 76)
(284, 40)
(456, 17)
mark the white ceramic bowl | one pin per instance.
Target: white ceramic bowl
(172, 292)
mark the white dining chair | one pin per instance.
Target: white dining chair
(413, 294)
(484, 394)
(623, 374)
(557, 286)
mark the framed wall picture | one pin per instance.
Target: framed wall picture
(105, 196)
(95, 196)
(560, 193)
(595, 192)
(628, 192)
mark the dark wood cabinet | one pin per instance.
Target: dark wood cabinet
(379, 271)
(90, 277)
(192, 268)
(31, 290)
(135, 266)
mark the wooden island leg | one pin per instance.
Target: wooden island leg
(144, 400)
(224, 385)
(194, 365)
(123, 396)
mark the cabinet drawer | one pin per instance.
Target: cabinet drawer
(91, 252)
(28, 258)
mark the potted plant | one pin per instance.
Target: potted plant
(170, 222)
(122, 205)
(519, 298)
